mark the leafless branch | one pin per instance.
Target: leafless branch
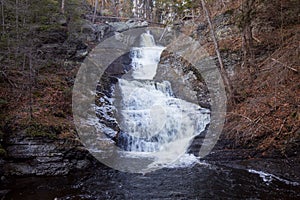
(291, 68)
(223, 71)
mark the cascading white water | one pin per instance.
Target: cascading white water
(146, 58)
(153, 119)
(144, 117)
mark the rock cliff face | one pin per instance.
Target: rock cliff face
(185, 79)
(44, 156)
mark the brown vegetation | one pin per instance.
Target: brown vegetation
(266, 116)
(263, 114)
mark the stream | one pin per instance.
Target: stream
(200, 181)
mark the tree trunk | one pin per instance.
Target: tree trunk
(223, 71)
(154, 14)
(95, 11)
(114, 7)
(62, 6)
(2, 16)
(30, 87)
(247, 38)
(17, 30)
(102, 7)
(17, 18)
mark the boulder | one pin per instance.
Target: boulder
(124, 26)
(102, 30)
(187, 83)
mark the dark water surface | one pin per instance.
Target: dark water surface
(196, 182)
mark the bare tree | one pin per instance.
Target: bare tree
(102, 7)
(30, 85)
(95, 10)
(222, 68)
(62, 6)
(17, 18)
(2, 16)
(113, 4)
(147, 8)
(247, 38)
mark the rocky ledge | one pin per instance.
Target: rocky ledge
(44, 156)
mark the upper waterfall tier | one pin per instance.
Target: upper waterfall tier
(145, 58)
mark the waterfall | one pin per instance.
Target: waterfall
(147, 40)
(145, 117)
(151, 118)
(145, 58)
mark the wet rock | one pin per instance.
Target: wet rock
(186, 81)
(102, 30)
(29, 150)
(81, 164)
(120, 66)
(105, 110)
(87, 28)
(87, 32)
(3, 193)
(119, 26)
(96, 32)
(43, 156)
(81, 54)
